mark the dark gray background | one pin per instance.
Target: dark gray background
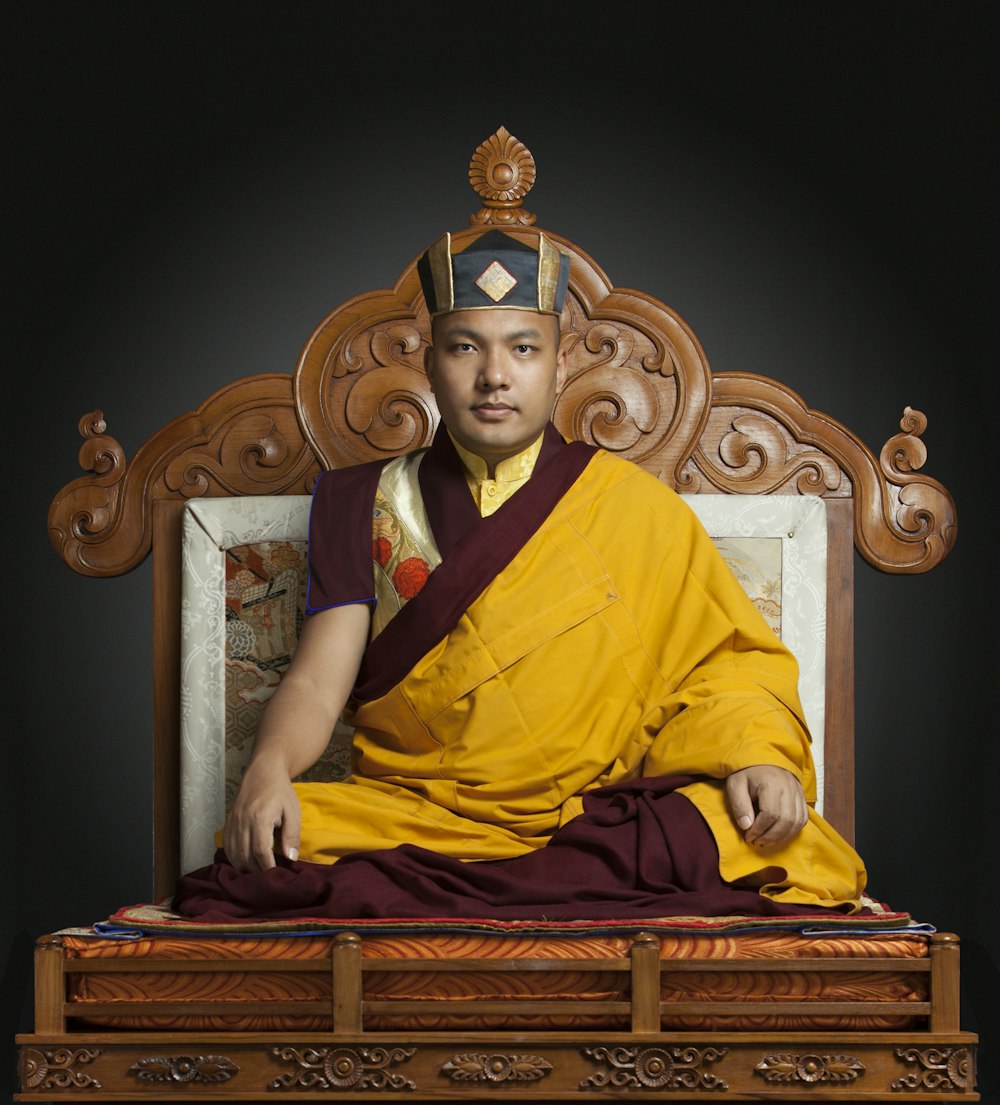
(195, 186)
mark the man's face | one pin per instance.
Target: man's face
(495, 375)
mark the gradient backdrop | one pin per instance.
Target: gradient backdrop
(812, 186)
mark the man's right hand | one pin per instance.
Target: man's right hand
(265, 815)
(293, 732)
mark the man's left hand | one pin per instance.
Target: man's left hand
(767, 803)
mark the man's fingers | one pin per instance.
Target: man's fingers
(249, 845)
(244, 850)
(228, 846)
(289, 836)
(768, 804)
(263, 851)
(780, 818)
(258, 824)
(740, 800)
(770, 829)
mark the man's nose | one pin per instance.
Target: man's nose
(493, 370)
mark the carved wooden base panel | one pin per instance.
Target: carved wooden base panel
(497, 1067)
(810, 1068)
(940, 1069)
(183, 1069)
(342, 1068)
(655, 1068)
(543, 1068)
(59, 1068)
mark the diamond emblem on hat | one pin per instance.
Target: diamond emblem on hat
(495, 281)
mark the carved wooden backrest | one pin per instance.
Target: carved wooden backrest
(638, 384)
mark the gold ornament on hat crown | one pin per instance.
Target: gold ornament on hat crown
(502, 172)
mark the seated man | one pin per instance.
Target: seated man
(549, 667)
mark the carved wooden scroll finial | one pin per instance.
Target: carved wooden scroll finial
(762, 439)
(243, 440)
(502, 172)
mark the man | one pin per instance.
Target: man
(521, 624)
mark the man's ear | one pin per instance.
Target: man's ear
(562, 360)
(429, 364)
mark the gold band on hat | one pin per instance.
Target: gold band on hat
(549, 261)
(439, 262)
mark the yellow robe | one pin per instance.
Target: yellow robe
(616, 644)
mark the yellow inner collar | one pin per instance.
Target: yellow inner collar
(511, 474)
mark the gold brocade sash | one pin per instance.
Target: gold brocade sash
(403, 547)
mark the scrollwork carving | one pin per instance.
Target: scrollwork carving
(94, 508)
(242, 458)
(634, 387)
(400, 345)
(746, 451)
(390, 403)
(243, 440)
(946, 1070)
(810, 1068)
(762, 439)
(56, 1069)
(339, 1068)
(361, 390)
(760, 458)
(496, 1068)
(920, 504)
(207, 1069)
(100, 453)
(603, 401)
(658, 1068)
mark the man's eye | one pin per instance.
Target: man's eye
(523, 348)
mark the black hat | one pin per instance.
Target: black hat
(494, 270)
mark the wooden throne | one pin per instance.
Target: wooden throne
(144, 1010)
